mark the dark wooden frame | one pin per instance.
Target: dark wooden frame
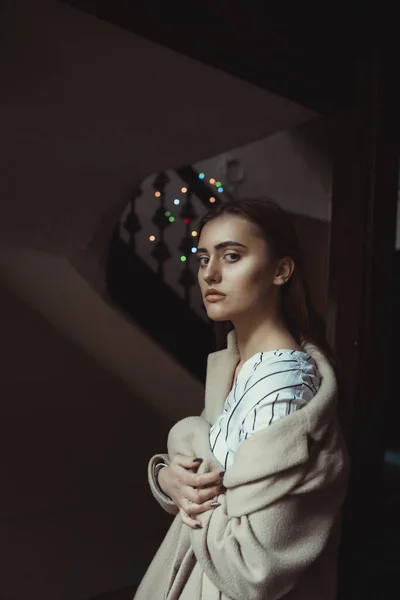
(362, 241)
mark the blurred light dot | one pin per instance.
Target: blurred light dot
(186, 221)
(152, 238)
(177, 201)
(194, 233)
(218, 183)
(183, 190)
(157, 194)
(171, 219)
(212, 180)
(194, 250)
(167, 213)
(183, 258)
(201, 175)
(212, 199)
(220, 189)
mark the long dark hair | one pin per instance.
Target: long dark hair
(302, 320)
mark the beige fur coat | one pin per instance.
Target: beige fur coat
(275, 534)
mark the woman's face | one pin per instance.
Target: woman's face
(234, 260)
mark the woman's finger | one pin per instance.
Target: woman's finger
(187, 520)
(197, 509)
(209, 494)
(188, 462)
(188, 507)
(202, 481)
(200, 496)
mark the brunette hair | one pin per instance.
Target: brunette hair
(302, 320)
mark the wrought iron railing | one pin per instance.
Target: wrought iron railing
(195, 192)
(139, 283)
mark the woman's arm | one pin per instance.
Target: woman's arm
(262, 554)
(163, 499)
(279, 509)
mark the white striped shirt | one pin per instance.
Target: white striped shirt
(269, 386)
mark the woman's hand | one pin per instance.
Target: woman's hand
(192, 493)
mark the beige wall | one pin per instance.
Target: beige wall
(86, 399)
(74, 443)
(51, 286)
(88, 110)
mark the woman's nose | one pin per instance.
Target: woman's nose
(211, 274)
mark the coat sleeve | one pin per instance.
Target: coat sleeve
(263, 554)
(164, 501)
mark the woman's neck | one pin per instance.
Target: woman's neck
(262, 335)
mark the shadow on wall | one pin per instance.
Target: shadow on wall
(76, 433)
(74, 444)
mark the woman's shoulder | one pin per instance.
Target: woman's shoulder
(280, 368)
(283, 358)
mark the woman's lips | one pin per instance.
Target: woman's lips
(214, 297)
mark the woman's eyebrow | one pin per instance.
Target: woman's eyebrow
(223, 245)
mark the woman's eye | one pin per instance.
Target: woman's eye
(232, 256)
(202, 260)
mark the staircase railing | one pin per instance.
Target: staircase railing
(140, 287)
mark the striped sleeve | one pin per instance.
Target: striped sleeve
(277, 388)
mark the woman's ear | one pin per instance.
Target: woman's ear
(283, 271)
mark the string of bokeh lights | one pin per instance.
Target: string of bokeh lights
(171, 218)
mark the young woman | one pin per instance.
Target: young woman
(257, 482)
